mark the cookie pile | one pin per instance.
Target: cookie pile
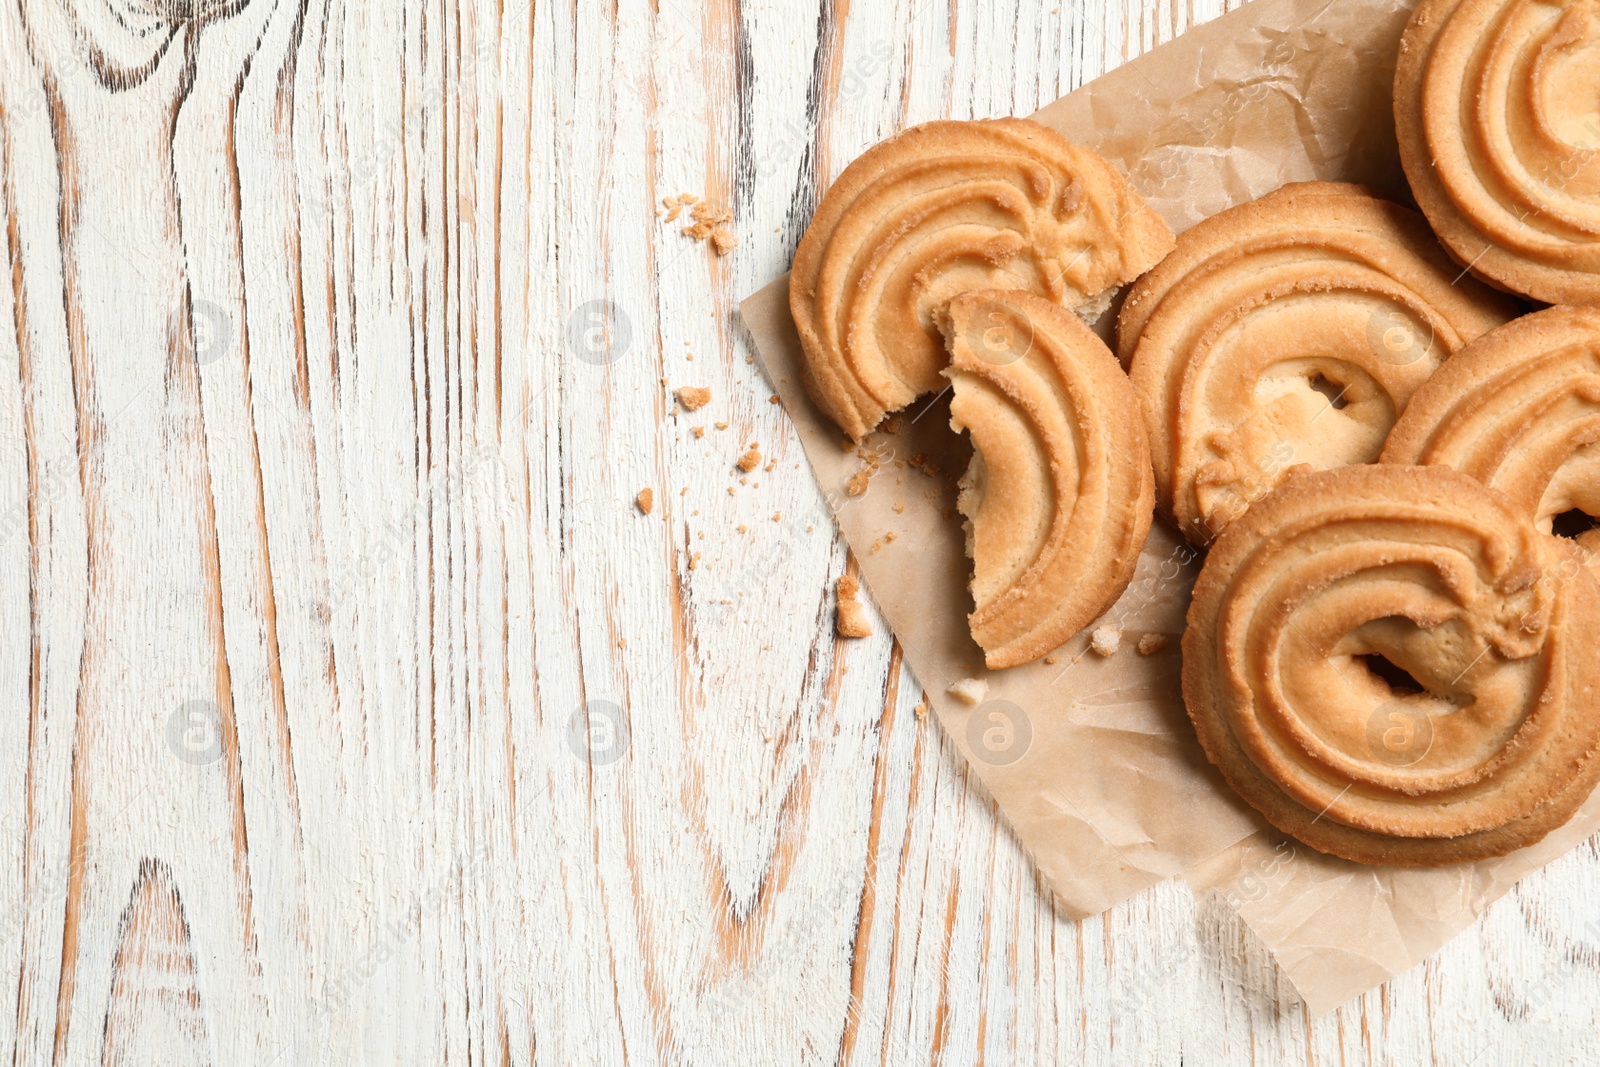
(1390, 461)
(916, 274)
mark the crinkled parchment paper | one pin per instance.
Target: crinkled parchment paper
(1092, 760)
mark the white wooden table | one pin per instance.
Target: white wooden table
(338, 339)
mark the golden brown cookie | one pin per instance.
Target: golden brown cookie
(1058, 498)
(1499, 127)
(1284, 332)
(1519, 409)
(1392, 665)
(941, 209)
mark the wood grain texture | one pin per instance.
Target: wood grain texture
(350, 711)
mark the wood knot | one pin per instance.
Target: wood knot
(177, 12)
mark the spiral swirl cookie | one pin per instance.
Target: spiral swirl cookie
(1519, 409)
(1392, 665)
(1499, 129)
(1058, 499)
(941, 209)
(1288, 331)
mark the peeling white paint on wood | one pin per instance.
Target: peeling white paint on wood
(351, 712)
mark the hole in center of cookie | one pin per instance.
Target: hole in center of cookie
(1396, 677)
(1321, 383)
(1574, 523)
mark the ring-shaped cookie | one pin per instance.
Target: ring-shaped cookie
(1391, 664)
(1519, 410)
(1289, 331)
(1499, 129)
(945, 208)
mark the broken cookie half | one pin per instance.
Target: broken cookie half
(1058, 498)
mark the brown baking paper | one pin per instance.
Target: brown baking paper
(1092, 760)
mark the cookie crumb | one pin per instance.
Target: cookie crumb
(724, 240)
(921, 710)
(693, 397)
(676, 204)
(777, 516)
(707, 221)
(773, 399)
(1150, 644)
(721, 424)
(750, 460)
(1105, 640)
(646, 500)
(887, 538)
(969, 691)
(858, 482)
(1049, 661)
(850, 618)
(694, 562)
(891, 424)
